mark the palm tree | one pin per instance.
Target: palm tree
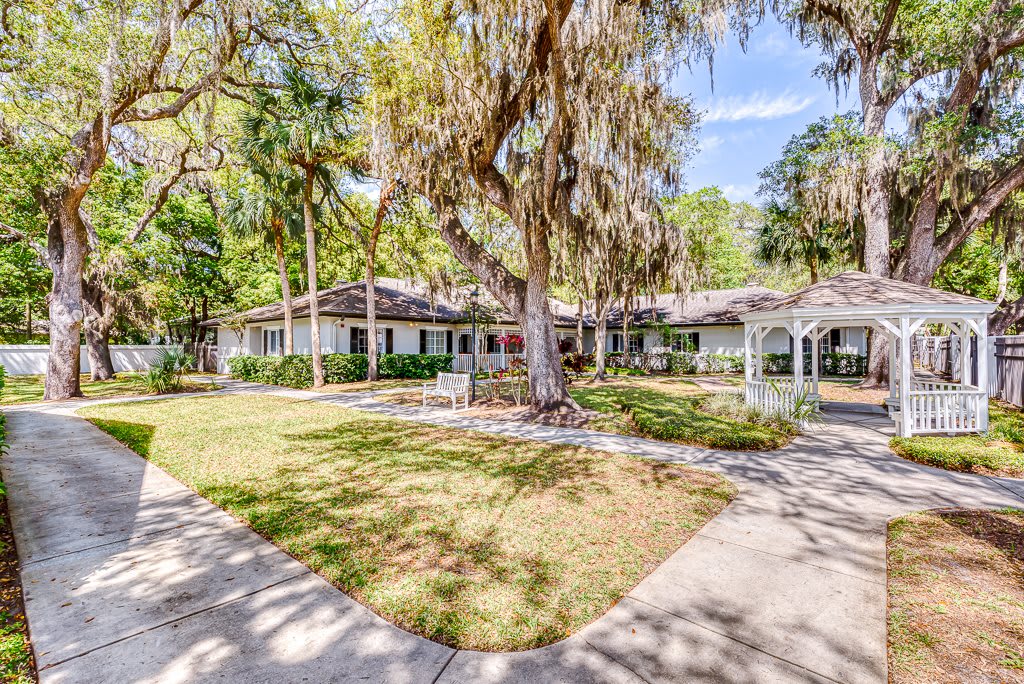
(270, 205)
(306, 127)
(782, 240)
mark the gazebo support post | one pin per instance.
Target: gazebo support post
(814, 361)
(748, 357)
(906, 367)
(893, 373)
(965, 354)
(982, 332)
(798, 356)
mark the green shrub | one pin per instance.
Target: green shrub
(3, 372)
(344, 367)
(167, 370)
(297, 370)
(691, 363)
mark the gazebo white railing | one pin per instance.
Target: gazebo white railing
(895, 310)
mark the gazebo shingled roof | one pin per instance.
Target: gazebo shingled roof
(853, 289)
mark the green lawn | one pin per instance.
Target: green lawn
(22, 389)
(669, 410)
(473, 540)
(997, 453)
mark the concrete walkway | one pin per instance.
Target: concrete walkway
(129, 576)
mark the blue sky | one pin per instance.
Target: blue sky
(760, 99)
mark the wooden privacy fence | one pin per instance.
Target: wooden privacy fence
(1007, 382)
(1006, 364)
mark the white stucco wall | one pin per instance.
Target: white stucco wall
(31, 359)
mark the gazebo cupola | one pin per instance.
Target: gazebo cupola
(896, 310)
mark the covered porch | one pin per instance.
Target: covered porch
(918, 403)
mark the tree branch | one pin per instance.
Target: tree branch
(22, 236)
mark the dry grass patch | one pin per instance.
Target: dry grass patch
(367, 386)
(956, 596)
(473, 540)
(847, 390)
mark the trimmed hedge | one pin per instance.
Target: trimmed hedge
(690, 363)
(694, 363)
(297, 370)
(837, 365)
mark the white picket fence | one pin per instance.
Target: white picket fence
(463, 363)
(776, 395)
(945, 407)
(30, 359)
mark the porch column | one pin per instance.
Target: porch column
(906, 365)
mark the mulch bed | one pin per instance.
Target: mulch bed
(16, 661)
(956, 596)
(503, 408)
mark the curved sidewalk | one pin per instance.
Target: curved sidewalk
(130, 576)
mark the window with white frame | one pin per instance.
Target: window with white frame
(436, 342)
(636, 343)
(362, 340)
(273, 341)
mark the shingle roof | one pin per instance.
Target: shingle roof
(706, 307)
(396, 300)
(855, 289)
(349, 299)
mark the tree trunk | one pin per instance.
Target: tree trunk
(547, 383)
(813, 264)
(579, 328)
(28, 322)
(371, 320)
(877, 205)
(97, 344)
(601, 341)
(314, 308)
(67, 247)
(277, 225)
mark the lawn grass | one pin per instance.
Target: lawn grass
(476, 541)
(24, 389)
(1000, 452)
(956, 604)
(669, 410)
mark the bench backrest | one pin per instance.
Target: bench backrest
(452, 382)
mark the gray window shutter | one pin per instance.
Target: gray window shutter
(389, 340)
(423, 341)
(353, 340)
(448, 342)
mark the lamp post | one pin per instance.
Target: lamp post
(474, 300)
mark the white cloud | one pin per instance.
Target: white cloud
(711, 142)
(746, 192)
(775, 44)
(758, 105)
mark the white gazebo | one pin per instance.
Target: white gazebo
(896, 310)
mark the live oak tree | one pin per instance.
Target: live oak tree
(889, 49)
(93, 77)
(550, 112)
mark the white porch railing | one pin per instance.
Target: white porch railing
(780, 399)
(948, 408)
(463, 363)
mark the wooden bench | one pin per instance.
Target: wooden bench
(449, 386)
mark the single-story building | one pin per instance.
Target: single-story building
(411, 320)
